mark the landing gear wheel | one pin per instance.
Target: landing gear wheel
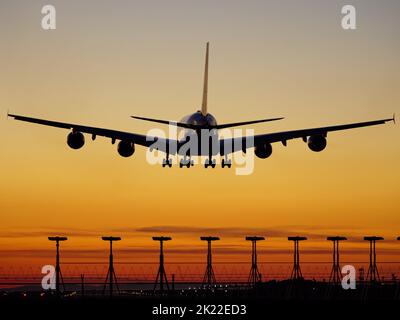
(213, 163)
(209, 163)
(167, 162)
(185, 162)
(226, 163)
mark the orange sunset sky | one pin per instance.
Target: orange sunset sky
(108, 60)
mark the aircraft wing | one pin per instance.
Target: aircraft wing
(139, 139)
(240, 142)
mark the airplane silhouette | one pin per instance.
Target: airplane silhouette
(195, 126)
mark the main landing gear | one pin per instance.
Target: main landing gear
(167, 162)
(186, 162)
(210, 163)
(226, 163)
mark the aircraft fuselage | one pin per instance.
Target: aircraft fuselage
(198, 138)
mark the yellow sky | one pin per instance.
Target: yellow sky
(107, 61)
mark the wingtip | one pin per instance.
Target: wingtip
(11, 115)
(394, 118)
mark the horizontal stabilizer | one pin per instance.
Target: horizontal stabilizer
(169, 122)
(194, 126)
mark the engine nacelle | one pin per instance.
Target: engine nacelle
(75, 140)
(263, 151)
(316, 143)
(126, 148)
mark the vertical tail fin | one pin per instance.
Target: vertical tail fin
(205, 85)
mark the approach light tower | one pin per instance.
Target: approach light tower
(255, 275)
(111, 272)
(372, 274)
(161, 275)
(59, 277)
(336, 274)
(209, 276)
(296, 272)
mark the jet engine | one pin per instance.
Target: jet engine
(126, 148)
(263, 151)
(316, 143)
(75, 140)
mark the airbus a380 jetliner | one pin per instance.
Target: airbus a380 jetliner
(195, 125)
